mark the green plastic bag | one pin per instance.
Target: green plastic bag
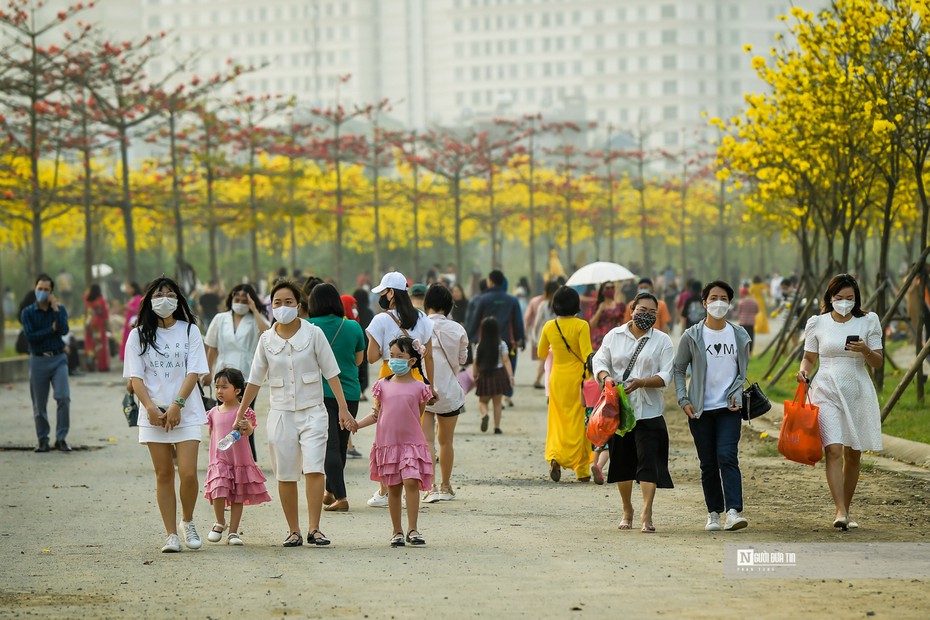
(627, 419)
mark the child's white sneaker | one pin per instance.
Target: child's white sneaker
(191, 537)
(216, 532)
(234, 539)
(378, 501)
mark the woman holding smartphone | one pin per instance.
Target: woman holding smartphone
(844, 339)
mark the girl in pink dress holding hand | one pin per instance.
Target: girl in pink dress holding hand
(233, 475)
(400, 457)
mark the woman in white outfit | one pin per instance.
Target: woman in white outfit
(296, 358)
(164, 358)
(844, 339)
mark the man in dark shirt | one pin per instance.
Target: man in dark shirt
(44, 323)
(506, 309)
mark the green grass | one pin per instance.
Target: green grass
(9, 351)
(908, 420)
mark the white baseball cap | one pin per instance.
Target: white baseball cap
(392, 279)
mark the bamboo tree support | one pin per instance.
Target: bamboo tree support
(811, 299)
(905, 381)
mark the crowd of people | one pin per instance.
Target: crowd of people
(312, 347)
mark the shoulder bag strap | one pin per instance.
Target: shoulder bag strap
(445, 355)
(566, 341)
(396, 320)
(639, 349)
(336, 335)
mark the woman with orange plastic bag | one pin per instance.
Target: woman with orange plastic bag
(843, 339)
(639, 358)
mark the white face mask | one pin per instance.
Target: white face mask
(284, 314)
(718, 309)
(240, 308)
(164, 306)
(843, 306)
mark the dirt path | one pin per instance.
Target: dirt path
(79, 536)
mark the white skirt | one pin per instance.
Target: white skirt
(156, 434)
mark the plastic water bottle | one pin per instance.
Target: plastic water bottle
(227, 441)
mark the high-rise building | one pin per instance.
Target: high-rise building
(648, 67)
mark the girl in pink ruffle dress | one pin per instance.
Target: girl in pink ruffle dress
(233, 475)
(400, 457)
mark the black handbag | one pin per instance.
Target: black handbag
(755, 402)
(208, 401)
(131, 409)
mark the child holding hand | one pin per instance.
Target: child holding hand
(233, 477)
(400, 457)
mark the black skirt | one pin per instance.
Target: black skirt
(641, 454)
(492, 383)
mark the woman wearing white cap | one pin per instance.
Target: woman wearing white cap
(399, 318)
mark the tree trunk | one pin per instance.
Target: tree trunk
(88, 222)
(722, 228)
(340, 223)
(457, 198)
(128, 223)
(253, 208)
(532, 216)
(924, 272)
(376, 207)
(682, 237)
(882, 276)
(416, 222)
(176, 195)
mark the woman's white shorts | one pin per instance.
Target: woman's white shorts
(297, 441)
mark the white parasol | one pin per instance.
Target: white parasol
(600, 272)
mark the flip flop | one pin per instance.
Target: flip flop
(626, 524)
(597, 473)
(648, 528)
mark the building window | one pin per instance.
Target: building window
(669, 112)
(669, 37)
(669, 61)
(601, 68)
(669, 87)
(457, 25)
(671, 138)
(668, 11)
(547, 69)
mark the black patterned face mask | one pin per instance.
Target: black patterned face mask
(644, 320)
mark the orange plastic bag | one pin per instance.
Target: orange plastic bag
(799, 439)
(605, 419)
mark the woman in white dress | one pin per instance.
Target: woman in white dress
(843, 339)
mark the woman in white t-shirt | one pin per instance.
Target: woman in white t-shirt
(164, 359)
(450, 341)
(233, 335)
(718, 353)
(399, 318)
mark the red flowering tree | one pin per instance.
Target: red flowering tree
(255, 132)
(455, 157)
(336, 147)
(32, 105)
(567, 183)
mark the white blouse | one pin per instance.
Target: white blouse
(295, 367)
(234, 346)
(449, 339)
(655, 359)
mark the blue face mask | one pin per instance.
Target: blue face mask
(399, 366)
(643, 290)
(41, 296)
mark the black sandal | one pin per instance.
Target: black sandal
(415, 539)
(317, 538)
(294, 540)
(397, 540)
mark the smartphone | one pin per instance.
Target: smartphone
(853, 338)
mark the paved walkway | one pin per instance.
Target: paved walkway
(79, 534)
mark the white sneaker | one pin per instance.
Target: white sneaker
(431, 497)
(172, 545)
(713, 522)
(734, 521)
(444, 495)
(191, 537)
(214, 535)
(378, 501)
(234, 539)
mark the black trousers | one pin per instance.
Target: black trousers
(336, 446)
